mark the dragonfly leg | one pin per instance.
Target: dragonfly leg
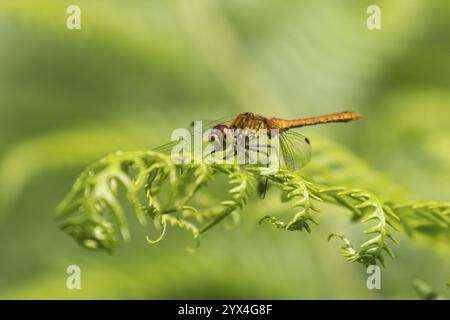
(265, 153)
(209, 154)
(229, 153)
(257, 151)
(247, 153)
(262, 191)
(263, 195)
(262, 146)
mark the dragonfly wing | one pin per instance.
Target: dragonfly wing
(296, 149)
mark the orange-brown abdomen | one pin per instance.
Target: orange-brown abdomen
(335, 117)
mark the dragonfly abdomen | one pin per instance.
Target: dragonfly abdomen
(335, 117)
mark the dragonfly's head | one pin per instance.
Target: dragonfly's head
(218, 133)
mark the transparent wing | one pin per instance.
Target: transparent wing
(295, 148)
(166, 148)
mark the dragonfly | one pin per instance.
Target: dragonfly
(295, 148)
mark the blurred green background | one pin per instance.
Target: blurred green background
(139, 69)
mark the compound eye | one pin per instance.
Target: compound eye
(215, 135)
(218, 133)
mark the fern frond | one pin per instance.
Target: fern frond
(242, 184)
(296, 190)
(364, 205)
(424, 215)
